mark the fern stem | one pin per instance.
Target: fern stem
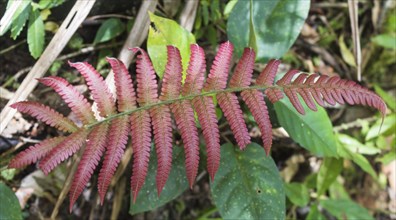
(189, 97)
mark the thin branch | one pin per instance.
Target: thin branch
(353, 15)
(354, 124)
(12, 47)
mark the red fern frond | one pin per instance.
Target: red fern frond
(292, 95)
(98, 87)
(255, 101)
(171, 83)
(126, 97)
(184, 114)
(162, 128)
(111, 134)
(287, 78)
(185, 121)
(141, 145)
(267, 76)
(329, 89)
(115, 146)
(64, 150)
(243, 71)
(76, 102)
(46, 115)
(274, 94)
(207, 118)
(140, 122)
(160, 116)
(195, 73)
(146, 79)
(217, 78)
(89, 161)
(229, 102)
(35, 152)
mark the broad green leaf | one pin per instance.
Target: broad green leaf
(248, 185)
(388, 125)
(385, 40)
(110, 29)
(345, 152)
(346, 209)
(389, 100)
(275, 26)
(36, 34)
(9, 208)
(297, 193)
(328, 172)
(19, 18)
(167, 32)
(314, 214)
(175, 185)
(312, 131)
(355, 146)
(346, 54)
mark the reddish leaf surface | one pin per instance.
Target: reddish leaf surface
(35, 152)
(98, 87)
(46, 115)
(115, 146)
(78, 104)
(89, 161)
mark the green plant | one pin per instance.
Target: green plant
(20, 12)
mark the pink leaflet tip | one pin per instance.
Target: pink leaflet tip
(14, 105)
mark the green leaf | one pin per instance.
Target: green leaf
(388, 125)
(110, 29)
(168, 32)
(328, 172)
(314, 214)
(297, 193)
(36, 34)
(312, 131)
(385, 40)
(345, 152)
(389, 100)
(8, 174)
(175, 185)
(9, 208)
(5, 20)
(346, 54)
(345, 209)
(275, 26)
(228, 8)
(355, 146)
(19, 18)
(248, 185)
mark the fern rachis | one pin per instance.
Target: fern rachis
(139, 112)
